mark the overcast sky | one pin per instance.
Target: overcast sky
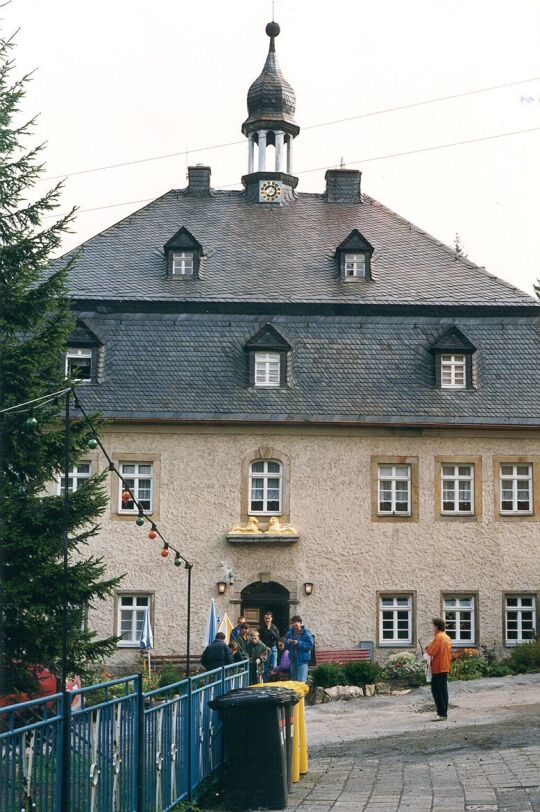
(125, 80)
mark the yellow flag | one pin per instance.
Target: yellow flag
(226, 627)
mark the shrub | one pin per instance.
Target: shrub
(361, 673)
(498, 670)
(168, 676)
(404, 668)
(467, 664)
(326, 675)
(525, 657)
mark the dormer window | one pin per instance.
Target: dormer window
(268, 359)
(267, 369)
(453, 354)
(453, 372)
(355, 265)
(354, 257)
(183, 253)
(182, 263)
(79, 365)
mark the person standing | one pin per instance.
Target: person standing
(217, 653)
(269, 635)
(256, 652)
(439, 650)
(299, 643)
(236, 631)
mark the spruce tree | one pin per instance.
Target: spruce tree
(35, 323)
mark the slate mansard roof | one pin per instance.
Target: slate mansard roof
(366, 370)
(274, 254)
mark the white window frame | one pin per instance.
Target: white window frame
(460, 608)
(393, 478)
(183, 263)
(265, 475)
(456, 365)
(396, 606)
(454, 479)
(355, 264)
(74, 354)
(514, 477)
(76, 477)
(135, 477)
(135, 635)
(266, 364)
(519, 609)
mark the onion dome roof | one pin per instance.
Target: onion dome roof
(271, 99)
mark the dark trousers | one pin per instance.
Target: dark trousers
(439, 690)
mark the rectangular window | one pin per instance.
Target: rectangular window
(459, 618)
(267, 369)
(394, 490)
(395, 620)
(265, 487)
(78, 475)
(79, 365)
(453, 372)
(355, 265)
(182, 263)
(516, 489)
(131, 613)
(520, 619)
(138, 476)
(457, 489)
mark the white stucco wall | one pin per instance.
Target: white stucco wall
(346, 555)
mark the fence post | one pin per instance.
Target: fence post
(66, 752)
(139, 764)
(190, 737)
(222, 680)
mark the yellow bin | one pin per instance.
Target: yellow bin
(300, 753)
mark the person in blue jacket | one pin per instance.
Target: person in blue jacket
(299, 643)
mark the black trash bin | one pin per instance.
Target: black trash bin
(254, 737)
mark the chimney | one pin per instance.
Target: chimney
(343, 185)
(198, 180)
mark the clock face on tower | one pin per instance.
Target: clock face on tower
(269, 191)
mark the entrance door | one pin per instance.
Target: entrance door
(257, 598)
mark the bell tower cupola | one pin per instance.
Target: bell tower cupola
(270, 129)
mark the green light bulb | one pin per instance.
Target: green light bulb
(92, 443)
(139, 521)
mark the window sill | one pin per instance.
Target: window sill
(388, 644)
(263, 539)
(126, 644)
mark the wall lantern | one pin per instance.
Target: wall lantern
(308, 588)
(221, 587)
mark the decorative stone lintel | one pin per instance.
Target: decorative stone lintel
(262, 539)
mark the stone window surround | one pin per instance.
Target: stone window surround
(514, 459)
(458, 459)
(465, 593)
(394, 460)
(395, 593)
(126, 457)
(265, 453)
(511, 593)
(125, 593)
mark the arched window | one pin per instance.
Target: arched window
(265, 487)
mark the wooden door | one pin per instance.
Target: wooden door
(253, 616)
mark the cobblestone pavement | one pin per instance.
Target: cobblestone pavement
(492, 769)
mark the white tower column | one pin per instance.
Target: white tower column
(262, 150)
(251, 152)
(280, 144)
(289, 155)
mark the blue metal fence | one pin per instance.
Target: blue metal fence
(129, 751)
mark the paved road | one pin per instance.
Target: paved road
(486, 768)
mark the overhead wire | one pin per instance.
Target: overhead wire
(321, 168)
(382, 111)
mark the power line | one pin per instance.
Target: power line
(383, 111)
(321, 168)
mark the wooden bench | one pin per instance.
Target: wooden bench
(346, 655)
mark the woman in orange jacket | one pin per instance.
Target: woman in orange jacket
(439, 650)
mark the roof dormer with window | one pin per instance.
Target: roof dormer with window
(354, 257)
(268, 359)
(83, 356)
(183, 254)
(454, 355)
